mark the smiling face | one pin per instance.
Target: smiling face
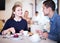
(26, 13)
(18, 11)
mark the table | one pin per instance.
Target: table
(24, 40)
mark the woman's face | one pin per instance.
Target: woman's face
(18, 11)
(26, 13)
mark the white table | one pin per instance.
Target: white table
(24, 40)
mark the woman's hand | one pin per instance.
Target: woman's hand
(21, 31)
(5, 32)
(9, 30)
(12, 30)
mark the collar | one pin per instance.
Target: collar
(54, 16)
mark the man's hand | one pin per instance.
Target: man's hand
(39, 32)
(45, 35)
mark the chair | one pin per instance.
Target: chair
(1, 25)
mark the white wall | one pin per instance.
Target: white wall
(2, 14)
(27, 6)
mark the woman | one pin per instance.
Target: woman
(28, 19)
(16, 23)
(26, 13)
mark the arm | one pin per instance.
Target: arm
(53, 31)
(58, 28)
(6, 26)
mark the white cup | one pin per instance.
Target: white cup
(25, 33)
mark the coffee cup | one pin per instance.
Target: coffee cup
(25, 33)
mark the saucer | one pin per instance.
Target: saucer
(17, 38)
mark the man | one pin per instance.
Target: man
(35, 18)
(49, 10)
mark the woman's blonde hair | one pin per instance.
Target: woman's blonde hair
(17, 4)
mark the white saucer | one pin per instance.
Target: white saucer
(19, 38)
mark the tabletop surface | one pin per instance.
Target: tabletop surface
(22, 39)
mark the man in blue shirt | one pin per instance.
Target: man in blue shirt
(49, 10)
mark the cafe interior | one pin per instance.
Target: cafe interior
(32, 7)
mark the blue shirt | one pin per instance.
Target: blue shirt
(54, 27)
(18, 25)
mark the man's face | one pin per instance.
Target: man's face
(45, 10)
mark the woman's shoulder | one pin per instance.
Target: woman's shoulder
(9, 20)
(24, 20)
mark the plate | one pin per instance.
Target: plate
(12, 37)
(19, 38)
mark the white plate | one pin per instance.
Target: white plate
(19, 38)
(12, 38)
